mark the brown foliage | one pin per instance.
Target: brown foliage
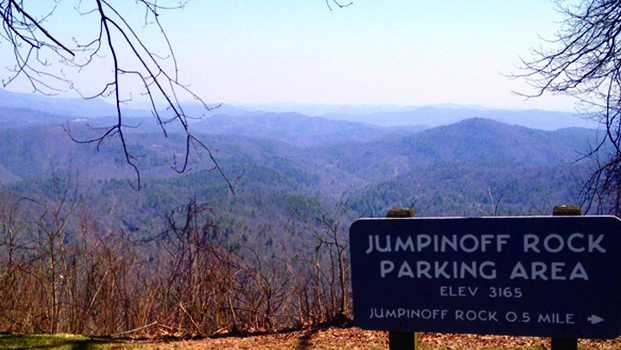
(60, 272)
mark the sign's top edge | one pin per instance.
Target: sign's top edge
(490, 217)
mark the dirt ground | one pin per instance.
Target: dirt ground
(355, 338)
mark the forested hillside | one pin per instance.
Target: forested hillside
(471, 155)
(186, 252)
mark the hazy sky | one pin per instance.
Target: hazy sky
(414, 52)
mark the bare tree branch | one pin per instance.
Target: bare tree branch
(118, 45)
(338, 4)
(584, 61)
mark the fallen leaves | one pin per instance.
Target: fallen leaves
(359, 339)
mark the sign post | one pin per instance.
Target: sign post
(495, 275)
(399, 340)
(565, 343)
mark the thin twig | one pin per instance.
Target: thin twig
(134, 330)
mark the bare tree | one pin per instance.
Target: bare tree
(116, 45)
(329, 265)
(584, 61)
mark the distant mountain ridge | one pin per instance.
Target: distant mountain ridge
(55, 109)
(65, 107)
(295, 128)
(432, 116)
(473, 141)
(363, 152)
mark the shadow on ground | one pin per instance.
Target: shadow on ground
(340, 320)
(59, 342)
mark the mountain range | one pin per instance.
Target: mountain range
(56, 109)
(287, 160)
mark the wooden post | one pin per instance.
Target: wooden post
(564, 210)
(402, 340)
(565, 343)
